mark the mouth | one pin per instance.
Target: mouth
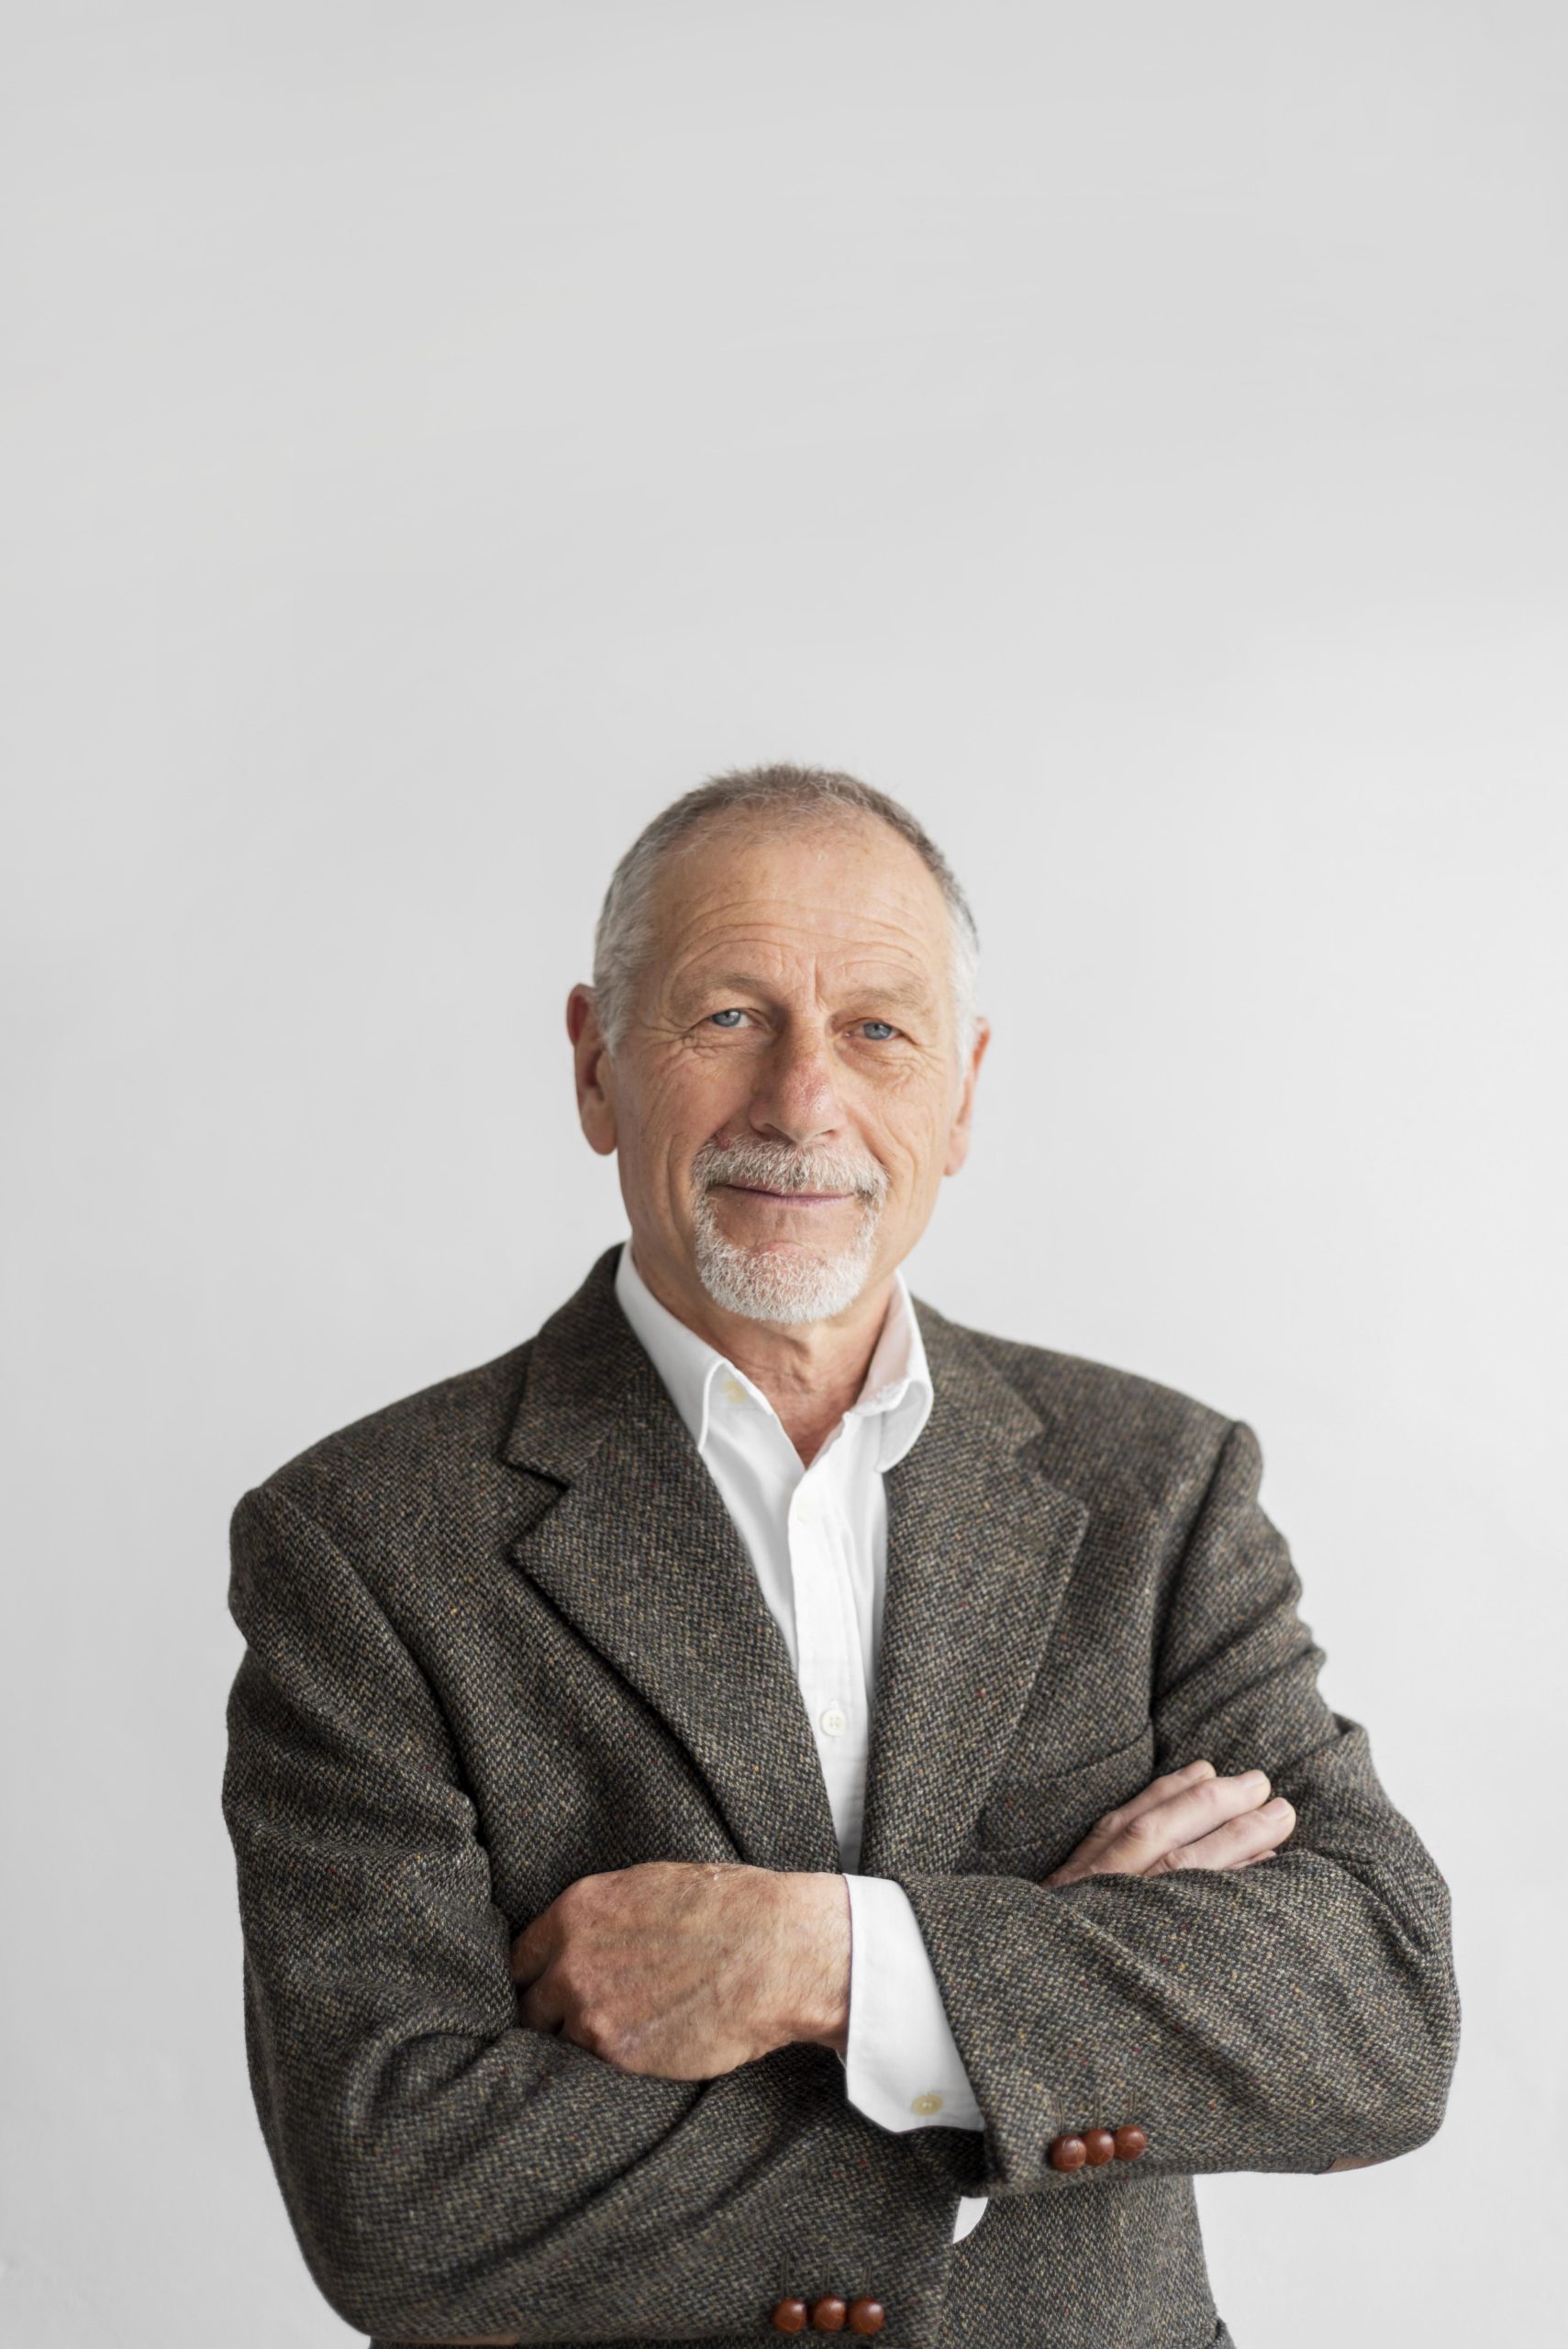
(790, 1198)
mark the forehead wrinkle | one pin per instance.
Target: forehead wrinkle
(776, 936)
(763, 924)
(775, 916)
(902, 973)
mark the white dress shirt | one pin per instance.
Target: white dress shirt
(817, 1537)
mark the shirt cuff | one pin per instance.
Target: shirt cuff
(902, 2068)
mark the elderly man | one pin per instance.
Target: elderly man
(763, 1809)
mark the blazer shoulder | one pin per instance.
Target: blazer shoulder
(1127, 1399)
(1103, 1421)
(400, 1460)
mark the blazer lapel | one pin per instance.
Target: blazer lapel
(980, 1548)
(638, 1551)
(634, 1546)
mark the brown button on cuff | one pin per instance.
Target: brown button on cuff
(1096, 2147)
(867, 2315)
(791, 2316)
(828, 2314)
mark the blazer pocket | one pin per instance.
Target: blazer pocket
(1054, 1812)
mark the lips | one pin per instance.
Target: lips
(792, 1199)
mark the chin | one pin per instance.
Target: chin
(784, 1281)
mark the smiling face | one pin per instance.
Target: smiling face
(788, 1094)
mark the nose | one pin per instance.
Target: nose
(796, 1097)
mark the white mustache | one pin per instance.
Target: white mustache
(767, 1167)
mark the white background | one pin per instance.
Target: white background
(435, 436)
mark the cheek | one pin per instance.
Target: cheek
(909, 1129)
(680, 1103)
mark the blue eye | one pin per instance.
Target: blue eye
(885, 1025)
(723, 1018)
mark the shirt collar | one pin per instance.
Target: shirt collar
(896, 1389)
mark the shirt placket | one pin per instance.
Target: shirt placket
(832, 1671)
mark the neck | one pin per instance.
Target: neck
(811, 1371)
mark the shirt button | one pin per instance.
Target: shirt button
(806, 1512)
(732, 1391)
(834, 1720)
(929, 2103)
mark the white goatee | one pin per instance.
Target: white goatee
(784, 1280)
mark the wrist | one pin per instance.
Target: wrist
(814, 1982)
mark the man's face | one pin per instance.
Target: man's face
(787, 1096)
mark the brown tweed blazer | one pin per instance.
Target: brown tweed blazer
(501, 1634)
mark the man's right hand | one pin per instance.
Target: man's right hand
(1191, 1818)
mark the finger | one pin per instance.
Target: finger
(1145, 1836)
(1157, 1791)
(542, 2005)
(533, 1949)
(1078, 1862)
(1253, 1835)
(1150, 1797)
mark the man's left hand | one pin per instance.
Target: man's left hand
(687, 1970)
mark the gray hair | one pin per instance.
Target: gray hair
(623, 936)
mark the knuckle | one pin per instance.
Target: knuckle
(569, 1904)
(574, 1989)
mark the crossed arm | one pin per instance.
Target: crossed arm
(600, 2126)
(1250, 1959)
(687, 1970)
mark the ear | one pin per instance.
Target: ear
(592, 1071)
(960, 1130)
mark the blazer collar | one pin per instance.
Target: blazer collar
(636, 1548)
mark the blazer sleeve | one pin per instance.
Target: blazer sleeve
(449, 2172)
(1279, 2017)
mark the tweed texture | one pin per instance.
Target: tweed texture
(502, 1633)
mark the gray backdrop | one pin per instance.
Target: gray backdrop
(435, 436)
